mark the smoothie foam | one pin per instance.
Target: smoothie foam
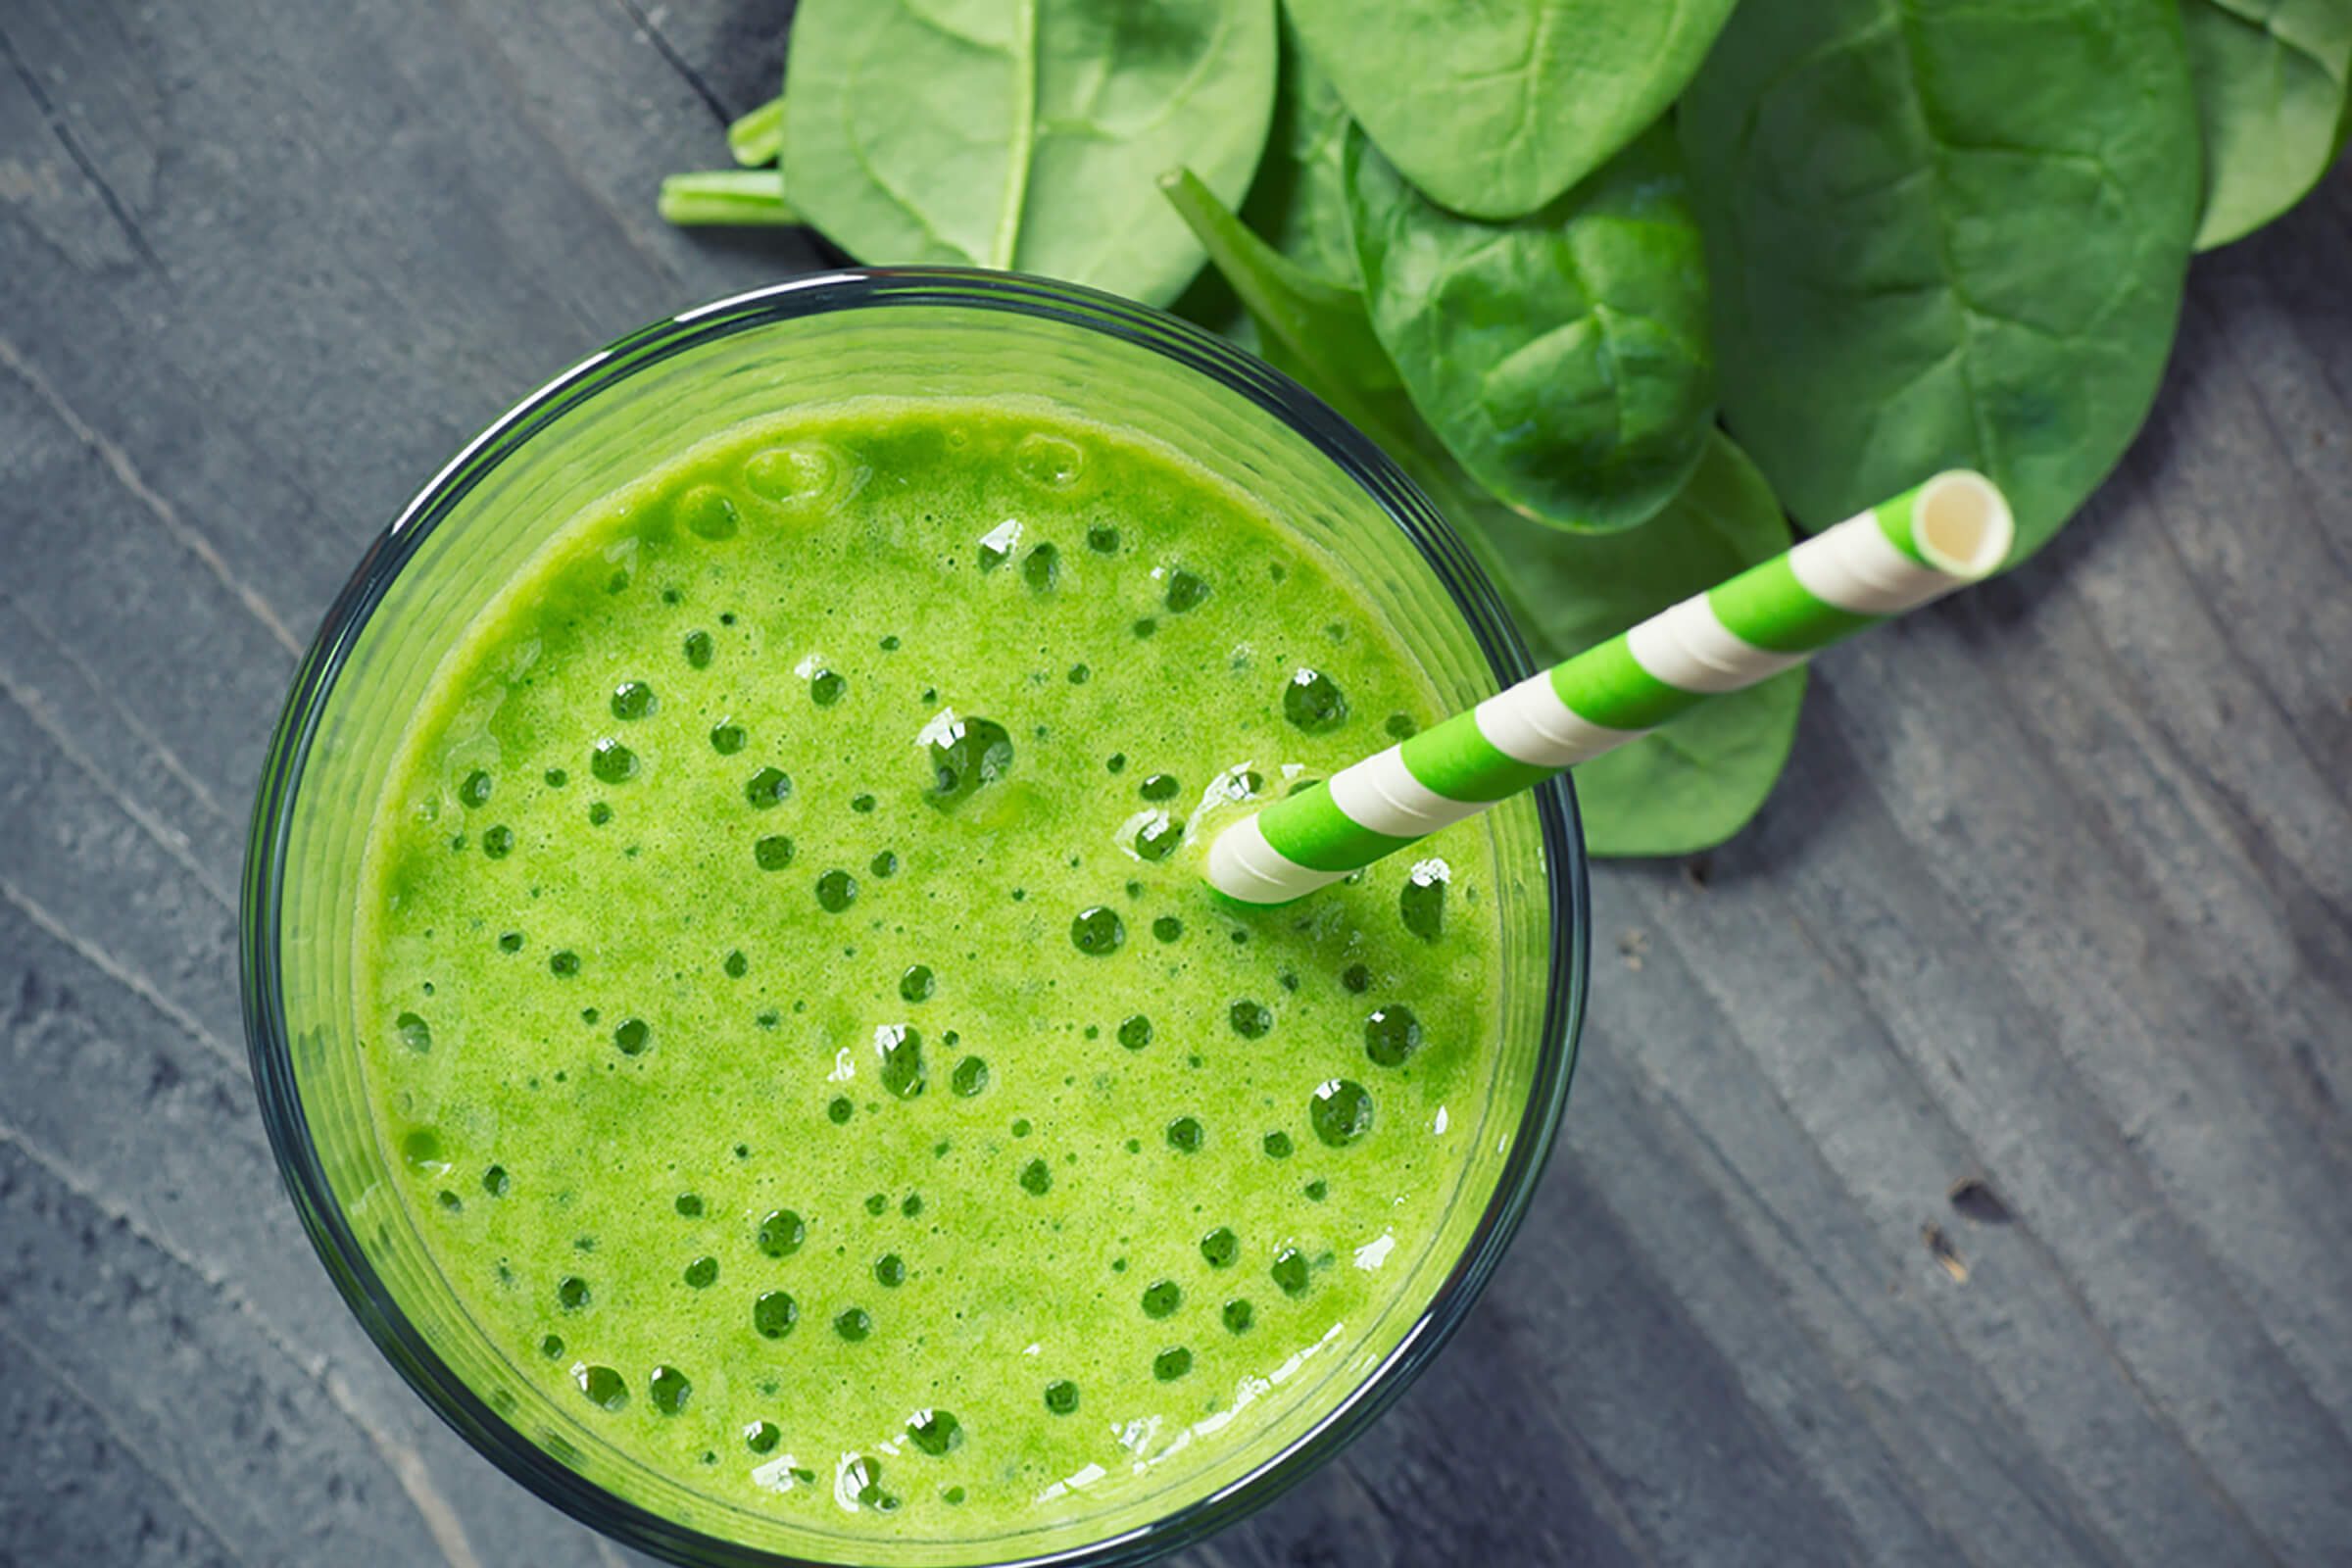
(793, 1014)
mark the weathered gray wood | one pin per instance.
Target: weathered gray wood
(2057, 894)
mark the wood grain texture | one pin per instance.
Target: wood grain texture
(2056, 896)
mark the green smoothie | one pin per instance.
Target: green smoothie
(794, 1013)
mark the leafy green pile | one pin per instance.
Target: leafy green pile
(1538, 249)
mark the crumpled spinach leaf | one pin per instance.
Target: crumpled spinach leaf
(1695, 782)
(1024, 134)
(1701, 776)
(1943, 234)
(2272, 93)
(1320, 323)
(1561, 357)
(1495, 107)
(1298, 203)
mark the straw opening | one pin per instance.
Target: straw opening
(1962, 523)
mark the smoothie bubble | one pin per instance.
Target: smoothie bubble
(1103, 539)
(890, 1271)
(1186, 1135)
(476, 790)
(727, 737)
(571, 1292)
(690, 1205)
(1049, 461)
(1061, 1397)
(1221, 1248)
(701, 1273)
(762, 1437)
(969, 1078)
(782, 1233)
(1278, 1146)
(900, 1049)
(1313, 703)
(1162, 1299)
(1290, 1271)
(883, 865)
(1400, 727)
(1160, 787)
(605, 1389)
(773, 853)
(995, 546)
(935, 1432)
(767, 788)
(1341, 1110)
(1097, 932)
(1238, 1315)
(836, 891)
(1037, 1178)
(859, 1484)
(499, 842)
(1171, 1364)
(421, 1148)
(1421, 902)
(1356, 978)
(1135, 1032)
(773, 1315)
(496, 1182)
(826, 686)
(551, 1345)
(793, 475)
(634, 700)
(633, 1036)
(917, 984)
(1391, 1035)
(854, 1325)
(1041, 568)
(839, 1110)
(669, 1390)
(1185, 592)
(706, 512)
(1158, 836)
(966, 754)
(414, 1033)
(509, 941)
(1167, 928)
(611, 762)
(1249, 1019)
(598, 814)
(736, 964)
(700, 649)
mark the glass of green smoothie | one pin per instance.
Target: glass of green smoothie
(727, 968)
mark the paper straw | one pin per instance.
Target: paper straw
(1949, 532)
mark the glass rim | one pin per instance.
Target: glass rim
(269, 1040)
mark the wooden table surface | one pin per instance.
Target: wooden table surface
(2056, 898)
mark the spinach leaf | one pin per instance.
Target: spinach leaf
(1024, 134)
(1495, 107)
(1322, 324)
(1561, 357)
(1694, 783)
(1298, 203)
(1698, 778)
(1943, 234)
(2270, 89)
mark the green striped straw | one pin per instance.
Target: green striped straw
(1949, 532)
